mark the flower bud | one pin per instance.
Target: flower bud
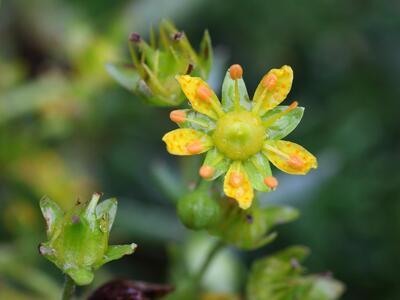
(155, 65)
(78, 239)
(197, 210)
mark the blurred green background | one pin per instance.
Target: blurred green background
(67, 129)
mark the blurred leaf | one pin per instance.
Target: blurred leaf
(125, 75)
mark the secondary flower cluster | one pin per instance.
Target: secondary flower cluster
(240, 136)
(155, 64)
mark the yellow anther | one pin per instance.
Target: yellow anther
(204, 93)
(236, 71)
(178, 116)
(236, 179)
(194, 147)
(295, 162)
(206, 172)
(271, 182)
(270, 80)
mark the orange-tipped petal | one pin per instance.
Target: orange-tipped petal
(201, 96)
(238, 186)
(236, 71)
(204, 93)
(289, 157)
(178, 116)
(186, 141)
(236, 179)
(272, 89)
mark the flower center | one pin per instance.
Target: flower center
(239, 135)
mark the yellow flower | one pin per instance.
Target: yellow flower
(240, 136)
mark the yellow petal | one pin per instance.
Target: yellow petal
(289, 157)
(238, 186)
(186, 141)
(201, 96)
(272, 89)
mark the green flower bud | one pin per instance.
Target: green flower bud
(250, 229)
(78, 239)
(197, 210)
(155, 65)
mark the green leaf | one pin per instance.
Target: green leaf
(228, 94)
(116, 252)
(107, 208)
(217, 161)
(52, 213)
(280, 214)
(125, 75)
(257, 168)
(285, 124)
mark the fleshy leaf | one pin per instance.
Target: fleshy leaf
(185, 141)
(217, 161)
(258, 168)
(289, 157)
(238, 186)
(197, 121)
(201, 96)
(228, 94)
(115, 252)
(125, 75)
(285, 124)
(107, 207)
(52, 213)
(273, 89)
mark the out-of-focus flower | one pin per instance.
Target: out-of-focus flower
(155, 65)
(240, 136)
(281, 276)
(78, 239)
(252, 228)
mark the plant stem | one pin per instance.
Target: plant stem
(69, 289)
(213, 252)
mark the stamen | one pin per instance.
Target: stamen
(236, 179)
(194, 147)
(204, 93)
(270, 81)
(271, 182)
(236, 71)
(277, 116)
(206, 172)
(295, 162)
(178, 116)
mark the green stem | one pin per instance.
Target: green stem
(69, 289)
(211, 255)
